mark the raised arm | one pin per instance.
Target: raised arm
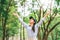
(22, 22)
(41, 21)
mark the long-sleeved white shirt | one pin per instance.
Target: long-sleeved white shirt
(30, 33)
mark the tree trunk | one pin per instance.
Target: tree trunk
(56, 35)
(4, 27)
(45, 36)
(20, 32)
(39, 16)
(23, 31)
(39, 36)
(7, 38)
(52, 36)
(23, 34)
(7, 35)
(12, 37)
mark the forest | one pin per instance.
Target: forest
(12, 29)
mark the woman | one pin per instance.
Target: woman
(32, 29)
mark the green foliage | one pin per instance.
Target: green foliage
(55, 10)
(57, 19)
(58, 2)
(22, 2)
(7, 7)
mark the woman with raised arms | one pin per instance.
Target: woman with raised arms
(32, 28)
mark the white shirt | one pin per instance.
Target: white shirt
(31, 35)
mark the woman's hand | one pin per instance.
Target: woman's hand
(47, 13)
(15, 14)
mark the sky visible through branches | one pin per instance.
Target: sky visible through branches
(26, 9)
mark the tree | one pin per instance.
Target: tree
(6, 10)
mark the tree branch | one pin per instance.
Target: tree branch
(54, 26)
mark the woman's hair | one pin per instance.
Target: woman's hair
(33, 28)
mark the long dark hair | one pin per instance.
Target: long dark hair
(33, 28)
